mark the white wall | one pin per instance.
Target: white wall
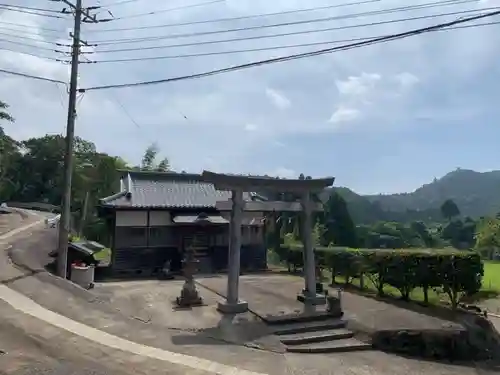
(159, 218)
(131, 218)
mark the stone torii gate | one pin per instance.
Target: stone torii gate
(239, 184)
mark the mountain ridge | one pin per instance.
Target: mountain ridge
(475, 193)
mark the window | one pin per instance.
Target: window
(130, 237)
(161, 236)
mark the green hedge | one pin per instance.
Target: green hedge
(454, 273)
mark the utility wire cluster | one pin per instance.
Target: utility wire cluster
(46, 41)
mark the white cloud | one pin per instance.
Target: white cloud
(366, 96)
(344, 114)
(406, 80)
(27, 63)
(278, 99)
(357, 86)
(251, 127)
(355, 94)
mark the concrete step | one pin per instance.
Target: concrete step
(300, 317)
(313, 326)
(335, 346)
(311, 337)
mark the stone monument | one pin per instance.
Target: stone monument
(189, 294)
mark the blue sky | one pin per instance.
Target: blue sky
(384, 118)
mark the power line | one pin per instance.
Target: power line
(28, 45)
(292, 23)
(236, 18)
(29, 8)
(32, 76)
(297, 32)
(28, 33)
(217, 53)
(30, 38)
(119, 3)
(165, 10)
(191, 44)
(34, 55)
(301, 55)
(31, 27)
(32, 12)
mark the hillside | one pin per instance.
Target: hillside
(365, 211)
(476, 194)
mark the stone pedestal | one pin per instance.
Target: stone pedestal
(334, 307)
(232, 308)
(189, 294)
(314, 300)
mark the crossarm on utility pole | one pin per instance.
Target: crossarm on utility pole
(84, 11)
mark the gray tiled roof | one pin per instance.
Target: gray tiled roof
(168, 190)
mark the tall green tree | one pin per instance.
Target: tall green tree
(449, 209)
(149, 160)
(339, 229)
(9, 153)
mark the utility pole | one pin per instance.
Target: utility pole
(65, 221)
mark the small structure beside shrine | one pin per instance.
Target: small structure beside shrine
(156, 217)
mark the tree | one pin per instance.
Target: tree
(163, 166)
(460, 233)
(9, 151)
(339, 229)
(449, 209)
(148, 162)
(488, 236)
(4, 115)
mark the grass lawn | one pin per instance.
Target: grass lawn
(489, 289)
(491, 279)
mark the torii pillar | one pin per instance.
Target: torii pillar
(237, 185)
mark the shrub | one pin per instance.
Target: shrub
(455, 273)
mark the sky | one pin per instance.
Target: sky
(383, 118)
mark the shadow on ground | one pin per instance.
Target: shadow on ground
(232, 330)
(434, 311)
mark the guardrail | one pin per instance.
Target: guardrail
(34, 206)
(53, 222)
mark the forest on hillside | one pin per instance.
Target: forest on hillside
(32, 171)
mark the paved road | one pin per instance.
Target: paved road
(29, 347)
